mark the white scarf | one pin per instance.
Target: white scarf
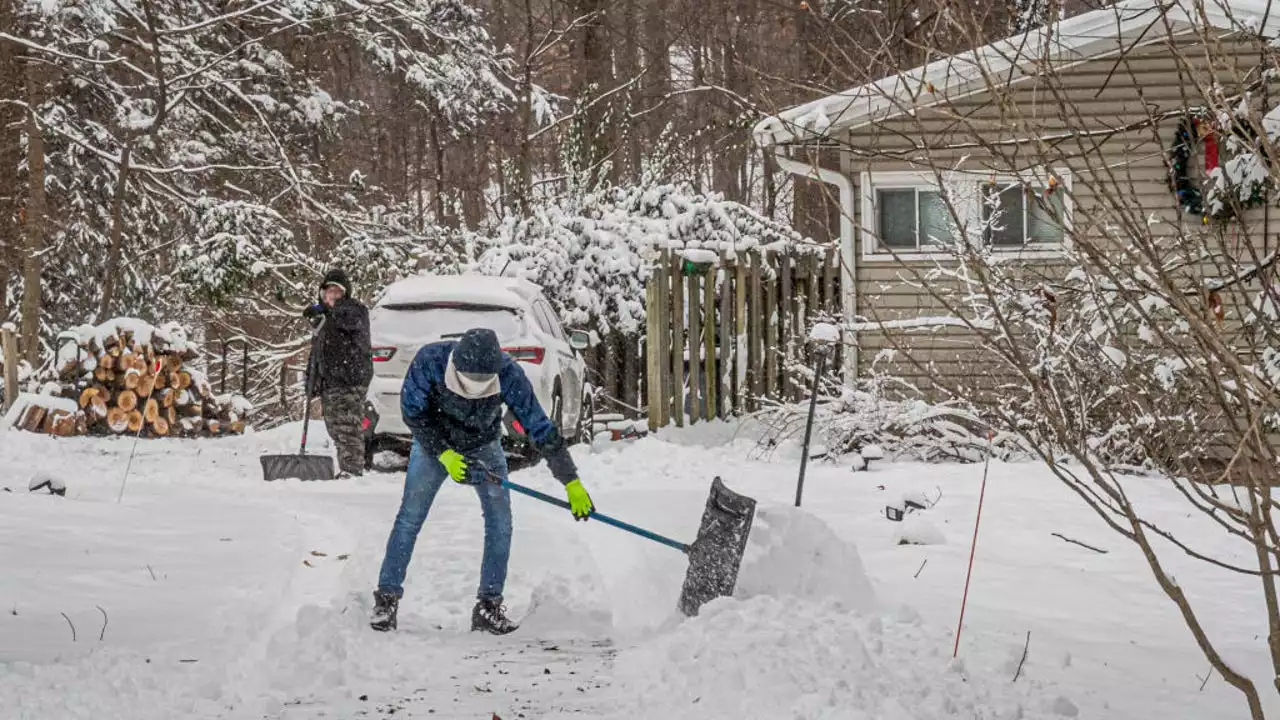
(471, 387)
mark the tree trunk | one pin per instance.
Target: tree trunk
(437, 151)
(593, 75)
(110, 274)
(10, 149)
(524, 160)
(37, 217)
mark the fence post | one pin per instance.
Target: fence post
(653, 347)
(725, 345)
(741, 342)
(786, 324)
(711, 370)
(771, 346)
(695, 348)
(9, 341)
(244, 377)
(678, 343)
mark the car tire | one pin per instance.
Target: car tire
(586, 418)
(557, 412)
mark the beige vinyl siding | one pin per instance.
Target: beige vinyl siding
(1106, 98)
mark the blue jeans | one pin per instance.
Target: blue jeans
(421, 482)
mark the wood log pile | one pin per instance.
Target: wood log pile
(127, 377)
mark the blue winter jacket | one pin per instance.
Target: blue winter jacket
(442, 420)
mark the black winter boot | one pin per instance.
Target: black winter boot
(491, 617)
(384, 611)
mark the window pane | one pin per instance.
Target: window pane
(1044, 217)
(897, 221)
(935, 218)
(1002, 211)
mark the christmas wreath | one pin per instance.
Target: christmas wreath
(1215, 201)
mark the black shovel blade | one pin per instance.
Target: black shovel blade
(716, 555)
(299, 467)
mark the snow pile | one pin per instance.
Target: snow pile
(795, 658)
(825, 332)
(592, 255)
(791, 553)
(916, 530)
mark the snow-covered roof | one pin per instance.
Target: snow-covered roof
(471, 289)
(1126, 25)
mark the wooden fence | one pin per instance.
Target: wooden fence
(724, 336)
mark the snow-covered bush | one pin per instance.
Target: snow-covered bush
(592, 255)
(890, 416)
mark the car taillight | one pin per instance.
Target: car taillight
(383, 354)
(526, 354)
(364, 424)
(515, 424)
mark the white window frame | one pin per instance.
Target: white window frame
(870, 182)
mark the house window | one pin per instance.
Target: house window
(1018, 214)
(906, 216)
(911, 218)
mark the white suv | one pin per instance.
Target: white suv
(424, 309)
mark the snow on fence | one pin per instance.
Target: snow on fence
(728, 330)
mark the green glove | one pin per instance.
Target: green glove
(455, 464)
(579, 501)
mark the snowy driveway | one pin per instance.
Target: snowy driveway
(230, 598)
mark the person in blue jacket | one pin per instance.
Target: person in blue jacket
(452, 401)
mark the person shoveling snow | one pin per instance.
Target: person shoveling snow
(452, 400)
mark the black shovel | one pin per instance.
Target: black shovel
(714, 557)
(301, 466)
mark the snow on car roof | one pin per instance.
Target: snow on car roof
(470, 289)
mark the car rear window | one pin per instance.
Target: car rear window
(416, 323)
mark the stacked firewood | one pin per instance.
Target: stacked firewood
(135, 379)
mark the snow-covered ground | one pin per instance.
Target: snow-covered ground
(226, 597)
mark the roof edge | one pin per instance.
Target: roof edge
(1088, 36)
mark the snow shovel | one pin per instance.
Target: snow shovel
(301, 466)
(714, 557)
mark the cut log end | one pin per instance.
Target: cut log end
(160, 426)
(117, 419)
(135, 421)
(127, 400)
(151, 411)
(87, 395)
(132, 379)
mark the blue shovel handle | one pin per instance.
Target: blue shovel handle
(598, 516)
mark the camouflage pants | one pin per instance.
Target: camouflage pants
(343, 413)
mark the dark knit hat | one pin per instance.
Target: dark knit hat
(337, 276)
(478, 353)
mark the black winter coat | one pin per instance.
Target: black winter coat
(341, 351)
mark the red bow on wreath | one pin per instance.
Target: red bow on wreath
(1204, 129)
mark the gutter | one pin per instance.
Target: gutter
(848, 258)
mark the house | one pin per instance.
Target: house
(1067, 130)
